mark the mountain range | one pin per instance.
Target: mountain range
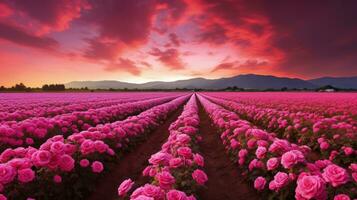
(247, 81)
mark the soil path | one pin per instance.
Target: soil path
(133, 163)
(224, 180)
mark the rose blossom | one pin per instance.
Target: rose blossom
(348, 150)
(335, 175)
(290, 158)
(124, 187)
(2, 197)
(199, 176)
(198, 160)
(7, 173)
(185, 152)
(259, 183)
(152, 191)
(57, 179)
(166, 180)
(242, 153)
(272, 163)
(175, 162)
(41, 158)
(309, 187)
(260, 152)
(84, 163)
(280, 180)
(97, 167)
(57, 147)
(341, 197)
(25, 175)
(159, 158)
(66, 163)
(176, 195)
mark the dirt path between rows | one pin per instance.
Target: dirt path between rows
(132, 164)
(224, 182)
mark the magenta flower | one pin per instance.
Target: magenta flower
(165, 179)
(25, 175)
(335, 175)
(259, 183)
(97, 167)
(310, 187)
(199, 176)
(124, 187)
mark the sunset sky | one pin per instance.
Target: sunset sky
(57, 41)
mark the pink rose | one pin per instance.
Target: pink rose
(309, 187)
(153, 191)
(142, 197)
(175, 162)
(272, 163)
(260, 152)
(251, 143)
(335, 175)
(57, 179)
(242, 153)
(176, 195)
(97, 167)
(124, 187)
(165, 179)
(259, 183)
(290, 158)
(2, 197)
(341, 197)
(25, 175)
(281, 179)
(279, 145)
(324, 145)
(84, 163)
(199, 176)
(66, 163)
(41, 158)
(160, 158)
(234, 144)
(198, 159)
(7, 173)
(348, 150)
(57, 147)
(185, 152)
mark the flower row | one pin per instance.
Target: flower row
(175, 172)
(57, 108)
(64, 168)
(326, 136)
(35, 131)
(276, 166)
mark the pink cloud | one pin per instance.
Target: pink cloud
(169, 57)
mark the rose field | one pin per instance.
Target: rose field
(178, 146)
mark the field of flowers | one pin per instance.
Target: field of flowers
(178, 146)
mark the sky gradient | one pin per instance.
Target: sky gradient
(57, 41)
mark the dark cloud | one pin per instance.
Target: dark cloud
(225, 66)
(169, 57)
(102, 50)
(318, 37)
(250, 64)
(300, 37)
(213, 33)
(174, 39)
(124, 64)
(56, 14)
(21, 37)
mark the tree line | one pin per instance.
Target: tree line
(20, 87)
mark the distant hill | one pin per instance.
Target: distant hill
(338, 82)
(247, 81)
